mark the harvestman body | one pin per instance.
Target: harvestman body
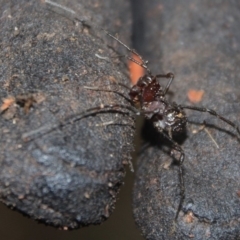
(167, 118)
(150, 97)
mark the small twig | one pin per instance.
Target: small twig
(211, 137)
(60, 6)
(203, 127)
(101, 57)
(104, 124)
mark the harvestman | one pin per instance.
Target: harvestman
(150, 97)
(167, 118)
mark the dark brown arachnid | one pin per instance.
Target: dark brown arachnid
(150, 97)
(167, 118)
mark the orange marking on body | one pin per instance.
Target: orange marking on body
(195, 96)
(135, 70)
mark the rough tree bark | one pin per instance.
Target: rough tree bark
(68, 177)
(199, 42)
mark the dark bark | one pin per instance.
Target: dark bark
(70, 176)
(199, 42)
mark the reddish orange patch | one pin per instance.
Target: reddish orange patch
(195, 96)
(135, 70)
(7, 102)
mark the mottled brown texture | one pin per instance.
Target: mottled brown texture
(199, 41)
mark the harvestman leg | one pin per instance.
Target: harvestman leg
(28, 136)
(109, 90)
(212, 112)
(178, 148)
(142, 63)
(169, 76)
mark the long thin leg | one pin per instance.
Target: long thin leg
(73, 13)
(169, 76)
(178, 148)
(109, 90)
(76, 117)
(142, 64)
(212, 112)
(123, 85)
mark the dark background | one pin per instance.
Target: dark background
(200, 42)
